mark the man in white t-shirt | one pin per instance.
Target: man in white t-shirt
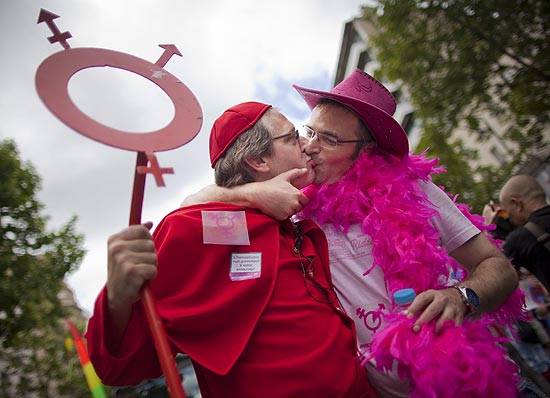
(388, 226)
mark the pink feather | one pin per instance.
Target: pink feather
(462, 361)
(457, 362)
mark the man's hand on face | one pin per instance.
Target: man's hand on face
(278, 197)
(299, 178)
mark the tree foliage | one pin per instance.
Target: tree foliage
(460, 59)
(33, 264)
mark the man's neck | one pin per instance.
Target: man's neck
(533, 208)
(537, 206)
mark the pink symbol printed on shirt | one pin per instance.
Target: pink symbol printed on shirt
(224, 228)
(371, 319)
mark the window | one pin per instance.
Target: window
(408, 122)
(364, 58)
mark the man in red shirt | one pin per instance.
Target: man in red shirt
(248, 298)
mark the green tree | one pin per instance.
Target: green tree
(33, 264)
(460, 59)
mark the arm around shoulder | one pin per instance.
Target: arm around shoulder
(277, 197)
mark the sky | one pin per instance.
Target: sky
(232, 51)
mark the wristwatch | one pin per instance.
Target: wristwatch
(469, 298)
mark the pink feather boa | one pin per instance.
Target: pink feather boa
(381, 193)
(464, 361)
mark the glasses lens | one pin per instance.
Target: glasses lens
(289, 136)
(327, 141)
(307, 132)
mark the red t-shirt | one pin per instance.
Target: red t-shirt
(273, 335)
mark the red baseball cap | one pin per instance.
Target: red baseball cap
(231, 124)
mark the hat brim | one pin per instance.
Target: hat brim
(387, 132)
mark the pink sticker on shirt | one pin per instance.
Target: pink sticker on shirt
(224, 228)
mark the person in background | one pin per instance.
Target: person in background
(248, 298)
(389, 227)
(524, 201)
(533, 339)
(495, 215)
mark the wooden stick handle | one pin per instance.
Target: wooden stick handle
(166, 359)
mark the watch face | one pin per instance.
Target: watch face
(472, 297)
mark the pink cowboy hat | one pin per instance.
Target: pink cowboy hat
(372, 102)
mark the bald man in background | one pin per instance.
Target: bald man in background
(524, 200)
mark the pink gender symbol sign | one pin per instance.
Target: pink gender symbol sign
(52, 78)
(54, 73)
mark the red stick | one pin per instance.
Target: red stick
(166, 359)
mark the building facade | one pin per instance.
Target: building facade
(493, 149)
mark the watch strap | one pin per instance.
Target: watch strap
(464, 297)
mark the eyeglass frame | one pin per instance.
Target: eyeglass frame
(337, 140)
(308, 270)
(294, 133)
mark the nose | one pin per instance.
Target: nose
(309, 145)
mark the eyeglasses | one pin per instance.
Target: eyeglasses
(293, 134)
(318, 292)
(327, 141)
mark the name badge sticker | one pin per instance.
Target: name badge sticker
(224, 228)
(245, 266)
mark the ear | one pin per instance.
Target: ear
(518, 203)
(370, 147)
(259, 165)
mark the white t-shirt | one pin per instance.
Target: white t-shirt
(364, 296)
